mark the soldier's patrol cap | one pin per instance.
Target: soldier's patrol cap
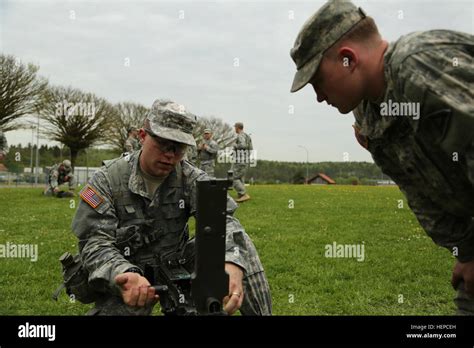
(207, 130)
(169, 120)
(67, 164)
(321, 31)
(239, 125)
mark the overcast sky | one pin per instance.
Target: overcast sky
(188, 51)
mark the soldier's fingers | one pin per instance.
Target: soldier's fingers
(456, 277)
(225, 300)
(133, 297)
(151, 297)
(469, 286)
(241, 300)
(142, 296)
(232, 305)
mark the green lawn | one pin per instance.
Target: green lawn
(403, 272)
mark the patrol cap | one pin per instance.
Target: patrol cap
(239, 125)
(207, 130)
(67, 164)
(171, 121)
(322, 30)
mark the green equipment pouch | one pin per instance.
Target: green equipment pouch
(75, 280)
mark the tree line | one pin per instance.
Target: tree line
(265, 172)
(74, 118)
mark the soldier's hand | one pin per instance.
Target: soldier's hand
(136, 290)
(464, 271)
(361, 139)
(56, 189)
(234, 300)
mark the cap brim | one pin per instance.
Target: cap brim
(305, 73)
(174, 135)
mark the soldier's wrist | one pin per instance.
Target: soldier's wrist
(134, 270)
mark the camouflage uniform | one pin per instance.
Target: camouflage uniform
(191, 154)
(128, 228)
(3, 144)
(430, 157)
(59, 175)
(242, 146)
(208, 156)
(132, 144)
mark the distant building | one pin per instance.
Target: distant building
(320, 179)
(385, 182)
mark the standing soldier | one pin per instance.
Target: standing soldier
(60, 174)
(138, 206)
(413, 102)
(132, 144)
(242, 148)
(207, 151)
(3, 146)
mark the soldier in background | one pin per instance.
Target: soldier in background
(428, 152)
(207, 152)
(3, 146)
(60, 174)
(133, 207)
(132, 144)
(242, 148)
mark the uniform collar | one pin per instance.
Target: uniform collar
(367, 114)
(136, 184)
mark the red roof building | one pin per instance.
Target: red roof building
(321, 179)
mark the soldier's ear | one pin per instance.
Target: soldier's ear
(349, 57)
(141, 135)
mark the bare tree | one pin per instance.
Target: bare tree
(21, 91)
(76, 119)
(222, 132)
(126, 115)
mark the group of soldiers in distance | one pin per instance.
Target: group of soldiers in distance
(205, 154)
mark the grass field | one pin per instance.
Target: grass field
(403, 272)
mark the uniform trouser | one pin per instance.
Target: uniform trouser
(208, 167)
(238, 184)
(464, 302)
(257, 299)
(49, 191)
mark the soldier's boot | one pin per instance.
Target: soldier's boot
(243, 198)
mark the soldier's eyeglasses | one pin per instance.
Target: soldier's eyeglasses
(168, 145)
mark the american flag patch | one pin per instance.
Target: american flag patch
(91, 197)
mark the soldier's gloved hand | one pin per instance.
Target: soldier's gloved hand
(136, 290)
(234, 300)
(464, 271)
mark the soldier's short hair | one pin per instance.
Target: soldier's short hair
(362, 32)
